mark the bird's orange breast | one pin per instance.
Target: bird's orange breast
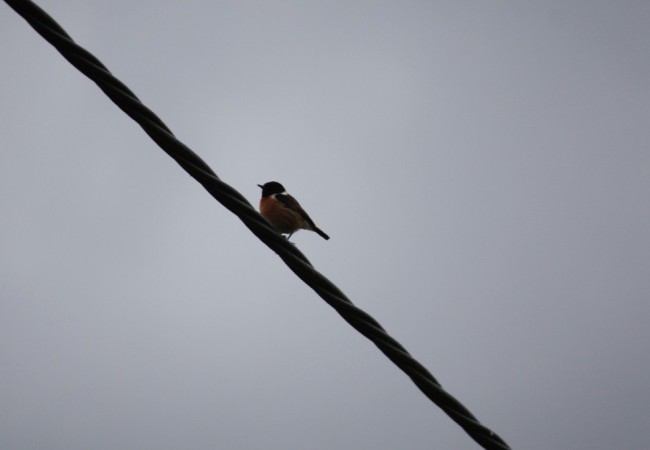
(283, 219)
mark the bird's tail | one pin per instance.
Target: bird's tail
(321, 233)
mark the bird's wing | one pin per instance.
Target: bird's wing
(291, 203)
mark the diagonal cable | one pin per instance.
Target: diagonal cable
(126, 100)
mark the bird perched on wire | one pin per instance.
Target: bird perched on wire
(284, 212)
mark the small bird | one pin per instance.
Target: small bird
(284, 212)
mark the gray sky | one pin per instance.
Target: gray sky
(482, 168)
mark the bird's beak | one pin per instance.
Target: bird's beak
(261, 186)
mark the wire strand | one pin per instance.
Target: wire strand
(126, 100)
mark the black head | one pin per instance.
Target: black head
(270, 188)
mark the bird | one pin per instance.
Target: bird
(284, 212)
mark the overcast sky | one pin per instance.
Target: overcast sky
(482, 168)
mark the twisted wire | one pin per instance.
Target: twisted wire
(126, 100)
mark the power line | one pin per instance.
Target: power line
(126, 100)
